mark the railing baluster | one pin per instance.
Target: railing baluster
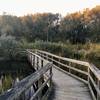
(69, 67)
(88, 75)
(42, 63)
(37, 63)
(51, 77)
(39, 85)
(52, 59)
(93, 79)
(47, 56)
(19, 92)
(98, 95)
(59, 64)
(33, 60)
(72, 70)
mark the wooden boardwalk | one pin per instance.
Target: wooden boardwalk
(61, 86)
(66, 87)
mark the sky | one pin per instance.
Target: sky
(24, 7)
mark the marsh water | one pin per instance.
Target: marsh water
(13, 71)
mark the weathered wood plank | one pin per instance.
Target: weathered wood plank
(92, 76)
(68, 88)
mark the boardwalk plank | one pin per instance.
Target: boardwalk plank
(66, 87)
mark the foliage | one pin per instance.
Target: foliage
(9, 70)
(72, 36)
(88, 52)
(78, 27)
(8, 46)
(76, 36)
(7, 82)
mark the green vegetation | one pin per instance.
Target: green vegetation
(87, 52)
(76, 36)
(7, 82)
(12, 69)
(8, 47)
(78, 27)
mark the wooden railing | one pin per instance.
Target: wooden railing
(83, 71)
(41, 80)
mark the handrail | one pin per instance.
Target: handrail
(81, 70)
(67, 59)
(42, 67)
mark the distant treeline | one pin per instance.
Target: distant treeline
(78, 27)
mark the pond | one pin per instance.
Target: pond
(13, 71)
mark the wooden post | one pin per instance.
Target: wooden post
(47, 57)
(88, 75)
(41, 55)
(37, 63)
(41, 63)
(33, 60)
(98, 95)
(39, 85)
(58, 63)
(51, 77)
(52, 59)
(69, 67)
(40, 80)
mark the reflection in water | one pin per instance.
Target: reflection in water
(12, 72)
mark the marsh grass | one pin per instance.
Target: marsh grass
(11, 70)
(86, 52)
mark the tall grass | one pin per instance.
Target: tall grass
(87, 52)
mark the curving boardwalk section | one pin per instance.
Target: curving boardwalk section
(62, 86)
(66, 87)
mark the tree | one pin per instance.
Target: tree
(8, 46)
